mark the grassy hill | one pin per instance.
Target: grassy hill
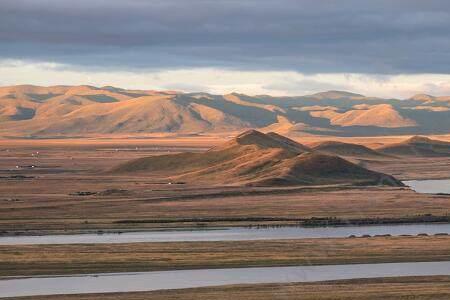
(418, 146)
(255, 158)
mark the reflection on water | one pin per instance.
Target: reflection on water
(150, 281)
(430, 186)
(230, 234)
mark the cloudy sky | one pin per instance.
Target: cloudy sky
(390, 48)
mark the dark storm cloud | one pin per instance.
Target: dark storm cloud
(403, 36)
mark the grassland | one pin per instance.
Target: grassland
(45, 198)
(60, 186)
(411, 288)
(29, 207)
(27, 260)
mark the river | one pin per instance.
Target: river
(440, 186)
(151, 281)
(228, 234)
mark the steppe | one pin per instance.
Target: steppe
(63, 185)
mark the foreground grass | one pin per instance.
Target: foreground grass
(95, 258)
(411, 288)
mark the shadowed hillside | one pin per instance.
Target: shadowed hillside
(346, 149)
(255, 158)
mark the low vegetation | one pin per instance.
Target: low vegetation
(27, 260)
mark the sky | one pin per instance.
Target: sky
(386, 48)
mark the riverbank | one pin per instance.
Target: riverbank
(221, 224)
(151, 208)
(33, 260)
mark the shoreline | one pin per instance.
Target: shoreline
(207, 224)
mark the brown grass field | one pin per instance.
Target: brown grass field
(29, 260)
(411, 288)
(45, 198)
(62, 186)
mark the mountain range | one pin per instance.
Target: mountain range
(27, 110)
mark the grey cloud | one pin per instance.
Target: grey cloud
(383, 36)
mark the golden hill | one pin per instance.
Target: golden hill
(255, 158)
(68, 114)
(418, 146)
(382, 115)
(27, 110)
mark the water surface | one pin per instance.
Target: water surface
(229, 234)
(430, 186)
(151, 281)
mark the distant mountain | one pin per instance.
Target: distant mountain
(255, 158)
(429, 98)
(381, 115)
(418, 146)
(336, 95)
(27, 110)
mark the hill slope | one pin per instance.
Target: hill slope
(155, 113)
(255, 158)
(382, 115)
(345, 149)
(418, 146)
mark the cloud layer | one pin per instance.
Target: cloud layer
(222, 81)
(307, 36)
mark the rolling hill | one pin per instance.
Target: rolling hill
(418, 146)
(27, 110)
(346, 149)
(381, 115)
(255, 158)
